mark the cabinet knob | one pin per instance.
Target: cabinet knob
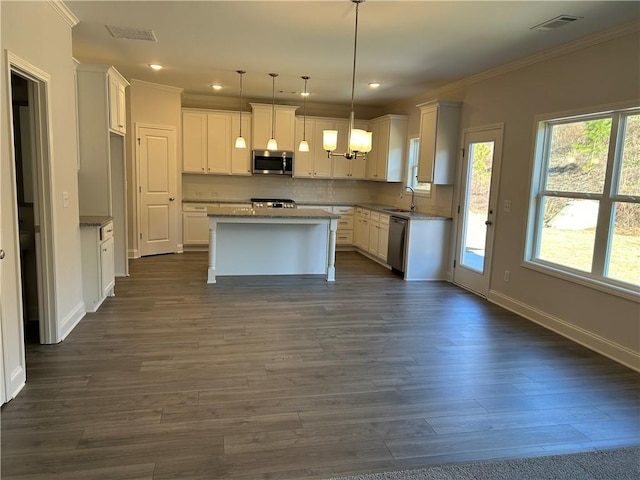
(171, 199)
(1, 254)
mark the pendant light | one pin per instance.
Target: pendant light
(240, 142)
(272, 144)
(359, 140)
(304, 145)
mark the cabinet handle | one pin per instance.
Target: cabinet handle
(1, 254)
(203, 169)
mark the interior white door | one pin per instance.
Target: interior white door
(157, 190)
(477, 209)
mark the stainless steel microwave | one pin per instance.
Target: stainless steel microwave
(272, 162)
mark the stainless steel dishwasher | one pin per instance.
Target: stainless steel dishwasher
(397, 236)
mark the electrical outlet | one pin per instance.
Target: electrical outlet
(507, 276)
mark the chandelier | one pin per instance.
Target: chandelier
(359, 140)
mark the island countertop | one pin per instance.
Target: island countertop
(275, 213)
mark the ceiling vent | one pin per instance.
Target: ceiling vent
(556, 22)
(132, 33)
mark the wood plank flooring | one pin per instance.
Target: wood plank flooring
(297, 378)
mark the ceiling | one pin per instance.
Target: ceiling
(410, 47)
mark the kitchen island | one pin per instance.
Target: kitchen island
(271, 241)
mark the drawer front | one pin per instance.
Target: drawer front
(344, 238)
(343, 210)
(375, 216)
(197, 207)
(384, 219)
(106, 231)
(345, 223)
(364, 213)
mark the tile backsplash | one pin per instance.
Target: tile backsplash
(237, 188)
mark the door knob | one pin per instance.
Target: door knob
(1, 254)
(171, 199)
(488, 222)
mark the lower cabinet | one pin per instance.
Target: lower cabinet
(344, 236)
(98, 267)
(379, 235)
(195, 224)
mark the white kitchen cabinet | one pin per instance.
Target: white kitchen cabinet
(379, 235)
(241, 157)
(427, 249)
(208, 142)
(194, 142)
(117, 102)
(439, 134)
(361, 228)
(97, 250)
(386, 159)
(101, 108)
(342, 168)
(315, 163)
(344, 234)
(285, 126)
(195, 224)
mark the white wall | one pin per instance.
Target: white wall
(599, 73)
(38, 34)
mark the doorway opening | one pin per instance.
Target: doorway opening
(26, 199)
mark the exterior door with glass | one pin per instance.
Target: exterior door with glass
(477, 208)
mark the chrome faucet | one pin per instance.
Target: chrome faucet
(413, 199)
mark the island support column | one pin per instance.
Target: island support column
(211, 272)
(331, 254)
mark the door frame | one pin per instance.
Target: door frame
(138, 187)
(493, 202)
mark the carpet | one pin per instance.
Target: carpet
(617, 464)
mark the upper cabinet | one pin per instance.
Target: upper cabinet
(208, 142)
(389, 136)
(285, 126)
(354, 169)
(439, 133)
(315, 163)
(117, 102)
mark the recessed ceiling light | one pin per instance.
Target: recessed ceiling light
(215, 86)
(374, 85)
(304, 94)
(155, 66)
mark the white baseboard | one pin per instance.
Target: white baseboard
(133, 253)
(180, 248)
(70, 321)
(599, 344)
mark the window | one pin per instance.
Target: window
(421, 188)
(585, 204)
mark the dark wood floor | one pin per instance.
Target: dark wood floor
(294, 377)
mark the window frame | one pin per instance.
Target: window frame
(543, 126)
(411, 181)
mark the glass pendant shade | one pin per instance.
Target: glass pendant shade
(329, 140)
(272, 144)
(357, 140)
(240, 142)
(368, 138)
(304, 146)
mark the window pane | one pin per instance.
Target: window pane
(578, 156)
(568, 232)
(630, 174)
(624, 258)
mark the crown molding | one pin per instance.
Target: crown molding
(586, 42)
(157, 86)
(61, 9)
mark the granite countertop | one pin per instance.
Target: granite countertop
(402, 213)
(94, 220)
(270, 212)
(214, 200)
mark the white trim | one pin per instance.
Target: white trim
(180, 248)
(133, 253)
(168, 88)
(64, 12)
(69, 323)
(601, 345)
